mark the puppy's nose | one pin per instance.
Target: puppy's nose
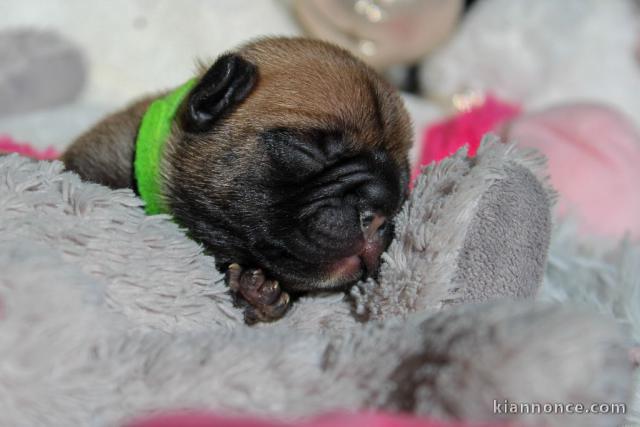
(373, 228)
(373, 225)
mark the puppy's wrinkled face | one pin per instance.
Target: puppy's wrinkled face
(291, 156)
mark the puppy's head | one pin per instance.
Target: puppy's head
(290, 155)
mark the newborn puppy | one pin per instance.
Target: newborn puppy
(287, 159)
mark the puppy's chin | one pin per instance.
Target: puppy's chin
(339, 277)
(343, 273)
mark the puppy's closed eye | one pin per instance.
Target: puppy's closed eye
(294, 155)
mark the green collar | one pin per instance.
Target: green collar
(153, 133)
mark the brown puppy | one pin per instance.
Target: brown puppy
(288, 160)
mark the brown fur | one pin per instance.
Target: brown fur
(104, 154)
(305, 84)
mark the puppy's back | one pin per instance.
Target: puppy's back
(104, 154)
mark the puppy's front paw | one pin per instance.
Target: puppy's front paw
(264, 300)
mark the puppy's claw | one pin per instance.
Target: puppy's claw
(264, 299)
(279, 308)
(233, 276)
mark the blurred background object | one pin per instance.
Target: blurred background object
(593, 153)
(382, 32)
(38, 69)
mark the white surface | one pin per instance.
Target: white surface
(132, 47)
(137, 46)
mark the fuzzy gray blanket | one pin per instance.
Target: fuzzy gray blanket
(107, 314)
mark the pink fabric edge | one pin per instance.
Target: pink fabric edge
(369, 419)
(9, 145)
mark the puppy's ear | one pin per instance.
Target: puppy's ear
(223, 86)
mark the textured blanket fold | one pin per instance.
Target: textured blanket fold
(108, 314)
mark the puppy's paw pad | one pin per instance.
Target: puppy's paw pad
(266, 300)
(268, 312)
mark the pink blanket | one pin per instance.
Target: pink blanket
(593, 152)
